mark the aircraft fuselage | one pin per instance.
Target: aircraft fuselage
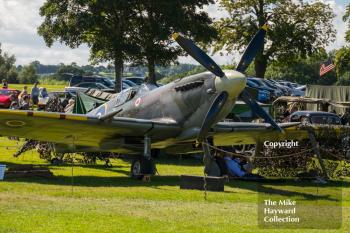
(184, 101)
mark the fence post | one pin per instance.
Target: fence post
(316, 148)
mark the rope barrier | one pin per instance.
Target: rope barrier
(205, 185)
(335, 156)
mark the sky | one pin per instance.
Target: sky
(19, 20)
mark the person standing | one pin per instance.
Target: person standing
(5, 85)
(35, 93)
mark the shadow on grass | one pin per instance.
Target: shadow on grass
(119, 169)
(98, 181)
(158, 181)
(278, 187)
(185, 160)
(267, 186)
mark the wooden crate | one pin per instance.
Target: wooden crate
(27, 170)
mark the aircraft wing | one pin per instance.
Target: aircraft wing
(243, 133)
(81, 130)
(239, 133)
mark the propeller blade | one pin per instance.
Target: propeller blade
(198, 54)
(252, 50)
(259, 110)
(212, 114)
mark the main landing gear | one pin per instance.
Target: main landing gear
(213, 165)
(143, 166)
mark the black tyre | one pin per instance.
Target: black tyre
(222, 165)
(142, 166)
(217, 168)
(56, 161)
(212, 169)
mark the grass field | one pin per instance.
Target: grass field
(107, 200)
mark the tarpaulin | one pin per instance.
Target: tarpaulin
(339, 94)
(85, 103)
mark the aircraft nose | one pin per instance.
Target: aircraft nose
(234, 83)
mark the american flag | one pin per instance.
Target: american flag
(326, 67)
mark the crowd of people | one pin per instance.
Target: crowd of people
(25, 99)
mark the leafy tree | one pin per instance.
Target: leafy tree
(344, 79)
(28, 75)
(158, 19)
(342, 58)
(64, 72)
(104, 25)
(196, 70)
(88, 69)
(302, 70)
(342, 61)
(7, 67)
(297, 28)
(175, 69)
(346, 18)
(44, 69)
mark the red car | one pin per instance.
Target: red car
(5, 94)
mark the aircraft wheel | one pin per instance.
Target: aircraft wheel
(222, 165)
(56, 161)
(142, 166)
(217, 167)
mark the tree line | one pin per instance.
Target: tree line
(13, 74)
(139, 33)
(61, 73)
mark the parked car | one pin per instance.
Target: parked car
(294, 88)
(297, 92)
(289, 84)
(273, 92)
(5, 97)
(108, 82)
(263, 95)
(129, 82)
(300, 91)
(286, 90)
(89, 85)
(315, 117)
(136, 80)
(278, 89)
(77, 79)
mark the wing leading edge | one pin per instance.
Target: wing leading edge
(79, 130)
(239, 133)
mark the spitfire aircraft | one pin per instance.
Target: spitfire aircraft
(176, 117)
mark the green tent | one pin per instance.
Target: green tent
(85, 103)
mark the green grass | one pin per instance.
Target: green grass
(48, 87)
(107, 200)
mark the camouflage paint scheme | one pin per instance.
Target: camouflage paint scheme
(170, 115)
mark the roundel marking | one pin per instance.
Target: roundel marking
(15, 123)
(137, 102)
(101, 111)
